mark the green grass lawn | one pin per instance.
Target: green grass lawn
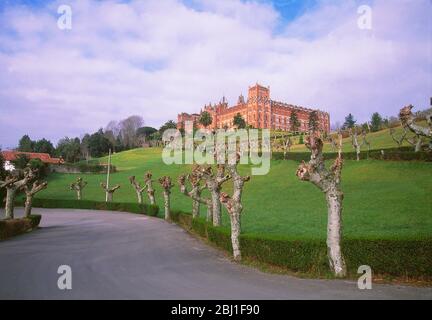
(378, 140)
(383, 199)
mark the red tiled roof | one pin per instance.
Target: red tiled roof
(44, 157)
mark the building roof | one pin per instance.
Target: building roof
(44, 157)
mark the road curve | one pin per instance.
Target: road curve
(126, 256)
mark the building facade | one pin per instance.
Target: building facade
(259, 111)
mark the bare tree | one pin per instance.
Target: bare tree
(149, 184)
(365, 142)
(166, 184)
(195, 194)
(78, 186)
(234, 206)
(109, 191)
(214, 181)
(30, 192)
(138, 189)
(12, 185)
(408, 120)
(416, 141)
(287, 145)
(354, 142)
(128, 129)
(328, 181)
(333, 143)
(399, 140)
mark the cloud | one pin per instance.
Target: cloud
(159, 58)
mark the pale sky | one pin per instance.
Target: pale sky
(159, 58)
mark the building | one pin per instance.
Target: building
(44, 157)
(259, 111)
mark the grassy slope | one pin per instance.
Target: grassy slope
(378, 140)
(382, 199)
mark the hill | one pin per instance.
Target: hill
(382, 199)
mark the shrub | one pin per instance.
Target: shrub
(147, 209)
(14, 227)
(400, 258)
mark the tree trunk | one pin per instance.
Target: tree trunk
(418, 144)
(167, 205)
(139, 196)
(28, 205)
(216, 211)
(235, 235)
(79, 192)
(195, 203)
(10, 198)
(109, 196)
(209, 212)
(151, 197)
(334, 225)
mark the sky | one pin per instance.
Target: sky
(156, 58)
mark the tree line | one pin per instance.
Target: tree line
(118, 136)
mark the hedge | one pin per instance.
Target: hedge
(396, 257)
(147, 209)
(13, 227)
(396, 154)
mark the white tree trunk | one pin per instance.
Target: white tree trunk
(167, 205)
(10, 198)
(334, 227)
(235, 235)
(28, 205)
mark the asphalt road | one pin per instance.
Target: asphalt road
(127, 256)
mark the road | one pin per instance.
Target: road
(126, 256)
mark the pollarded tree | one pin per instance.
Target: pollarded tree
(416, 141)
(214, 183)
(149, 184)
(365, 142)
(195, 194)
(12, 185)
(234, 206)
(30, 192)
(166, 184)
(78, 186)
(354, 142)
(137, 187)
(329, 182)
(408, 120)
(109, 192)
(287, 145)
(205, 119)
(398, 139)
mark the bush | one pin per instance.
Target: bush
(147, 209)
(14, 227)
(400, 258)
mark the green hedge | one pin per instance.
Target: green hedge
(401, 154)
(147, 209)
(398, 258)
(14, 227)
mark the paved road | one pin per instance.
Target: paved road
(126, 256)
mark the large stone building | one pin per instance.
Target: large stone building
(259, 111)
